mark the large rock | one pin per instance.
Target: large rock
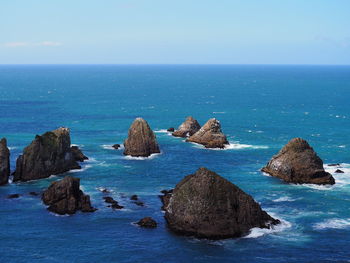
(187, 128)
(65, 197)
(141, 141)
(48, 154)
(4, 162)
(206, 205)
(297, 162)
(210, 135)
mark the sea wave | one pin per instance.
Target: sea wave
(152, 156)
(285, 199)
(12, 147)
(334, 223)
(83, 168)
(232, 146)
(161, 131)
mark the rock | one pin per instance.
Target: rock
(117, 206)
(139, 203)
(187, 128)
(171, 129)
(165, 197)
(206, 205)
(65, 197)
(134, 197)
(141, 141)
(147, 222)
(298, 163)
(33, 193)
(11, 196)
(48, 154)
(116, 146)
(338, 171)
(210, 135)
(104, 190)
(114, 203)
(4, 162)
(334, 164)
(78, 154)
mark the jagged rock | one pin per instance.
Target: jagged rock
(116, 146)
(65, 197)
(147, 222)
(171, 129)
(297, 162)
(187, 128)
(338, 171)
(206, 205)
(141, 141)
(165, 197)
(4, 162)
(210, 135)
(48, 154)
(11, 196)
(78, 154)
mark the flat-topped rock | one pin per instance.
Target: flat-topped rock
(206, 205)
(4, 162)
(141, 141)
(189, 127)
(297, 162)
(210, 135)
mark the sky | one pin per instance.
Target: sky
(175, 32)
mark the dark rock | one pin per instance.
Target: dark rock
(141, 141)
(11, 196)
(298, 163)
(4, 162)
(116, 146)
(210, 135)
(134, 197)
(139, 203)
(65, 197)
(187, 128)
(171, 129)
(104, 190)
(117, 206)
(334, 164)
(114, 203)
(165, 197)
(147, 222)
(33, 193)
(78, 154)
(339, 171)
(48, 154)
(206, 205)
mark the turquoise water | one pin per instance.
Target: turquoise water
(260, 109)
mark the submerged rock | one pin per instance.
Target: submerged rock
(210, 135)
(147, 222)
(206, 205)
(12, 196)
(338, 171)
(4, 162)
(78, 154)
(116, 146)
(187, 128)
(297, 162)
(48, 154)
(65, 197)
(134, 197)
(141, 141)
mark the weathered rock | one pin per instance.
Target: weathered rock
(297, 162)
(210, 135)
(147, 222)
(48, 154)
(206, 205)
(187, 128)
(116, 146)
(171, 129)
(141, 141)
(78, 154)
(165, 197)
(11, 196)
(65, 197)
(4, 162)
(338, 171)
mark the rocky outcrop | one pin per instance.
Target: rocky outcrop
(113, 203)
(65, 197)
(187, 128)
(4, 162)
(210, 135)
(206, 205)
(78, 154)
(297, 162)
(48, 154)
(338, 171)
(147, 222)
(141, 141)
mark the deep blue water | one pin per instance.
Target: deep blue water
(260, 108)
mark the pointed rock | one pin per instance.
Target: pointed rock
(4, 162)
(187, 128)
(206, 205)
(210, 135)
(297, 162)
(141, 141)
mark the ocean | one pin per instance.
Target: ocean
(260, 109)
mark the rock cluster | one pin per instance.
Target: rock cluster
(297, 162)
(4, 162)
(187, 128)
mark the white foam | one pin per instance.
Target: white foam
(12, 147)
(219, 112)
(258, 232)
(285, 199)
(232, 146)
(107, 147)
(161, 131)
(152, 156)
(334, 223)
(83, 168)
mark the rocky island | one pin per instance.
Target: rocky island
(189, 127)
(4, 162)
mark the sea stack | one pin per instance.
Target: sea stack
(206, 205)
(187, 128)
(298, 163)
(65, 197)
(141, 141)
(210, 135)
(4, 162)
(48, 154)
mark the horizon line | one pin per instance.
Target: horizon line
(167, 64)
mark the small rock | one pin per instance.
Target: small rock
(116, 146)
(109, 199)
(134, 197)
(117, 206)
(11, 196)
(147, 222)
(171, 129)
(338, 171)
(139, 203)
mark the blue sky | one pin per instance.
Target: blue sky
(175, 32)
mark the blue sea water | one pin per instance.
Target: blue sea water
(260, 108)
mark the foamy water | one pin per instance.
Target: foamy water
(334, 223)
(152, 156)
(231, 146)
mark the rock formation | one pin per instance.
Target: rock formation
(116, 146)
(298, 163)
(338, 171)
(65, 197)
(78, 154)
(48, 154)
(171, 129)
(113, 203)
(206, 205)
(147, 222)
(210, 135)
(141, 141)
(187, 128)
(4, 162)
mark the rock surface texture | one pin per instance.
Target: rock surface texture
(65, 197)
(298, 163)
(210, 135)
(141, 141)
(187, 128)
(206, 205)
(4, 162)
